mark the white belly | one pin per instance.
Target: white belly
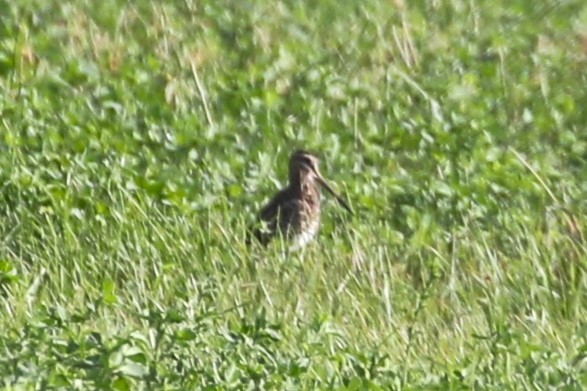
(303, 238)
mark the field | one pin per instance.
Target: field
(139, 139)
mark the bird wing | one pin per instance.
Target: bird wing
(276, 215)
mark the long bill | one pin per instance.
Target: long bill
(331, 191)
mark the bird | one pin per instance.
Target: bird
(294, 212)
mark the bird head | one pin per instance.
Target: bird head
(303, 164)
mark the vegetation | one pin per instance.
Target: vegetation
(138, 139)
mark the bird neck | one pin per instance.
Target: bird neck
(303, 182)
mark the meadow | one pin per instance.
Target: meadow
(139, 139)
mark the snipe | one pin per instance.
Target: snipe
(294, 212)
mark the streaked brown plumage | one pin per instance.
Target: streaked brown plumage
(295, 211)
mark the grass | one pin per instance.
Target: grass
(138, 139)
